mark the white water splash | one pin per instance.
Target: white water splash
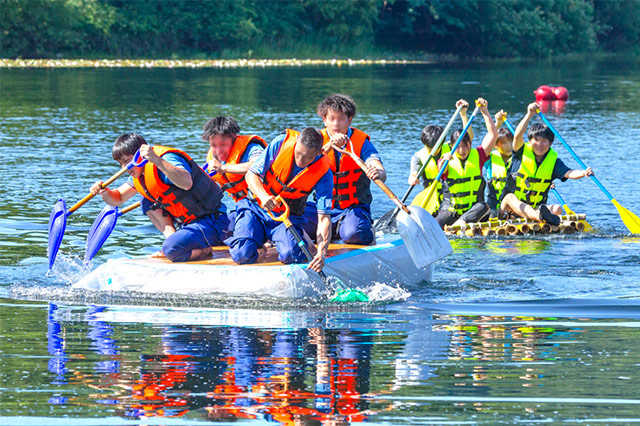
(382, 292)
(68, 268)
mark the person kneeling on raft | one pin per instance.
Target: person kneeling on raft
(534, 166)
(351, 208)
(292, 166)
(463, 188)
(229, 158)
(191, 215)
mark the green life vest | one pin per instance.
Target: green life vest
(533, 182)
(464, 182)
(498, 173)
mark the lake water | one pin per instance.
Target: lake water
(526, 330)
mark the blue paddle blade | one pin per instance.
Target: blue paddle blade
(100, 231)
(57, 225)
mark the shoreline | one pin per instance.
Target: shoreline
(199, 63)
(299, 62)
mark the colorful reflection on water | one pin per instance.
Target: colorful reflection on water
(366, 367)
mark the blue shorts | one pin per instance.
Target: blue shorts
(205, 232)
(352, 225)
(253, 227)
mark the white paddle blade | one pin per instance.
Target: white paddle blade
(423, 236)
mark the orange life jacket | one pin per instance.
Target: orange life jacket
(202, 199)
(279, 179)
(235, 184)
(350, 183)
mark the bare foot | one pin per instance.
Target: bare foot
(202, 253)
(157, 255)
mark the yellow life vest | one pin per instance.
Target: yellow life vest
(533, 182)
(464, 182)
(430, 173)
(498, 173)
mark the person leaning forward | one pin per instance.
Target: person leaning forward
(292, 166)
(193, 217)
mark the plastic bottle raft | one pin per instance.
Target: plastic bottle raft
(569, 224)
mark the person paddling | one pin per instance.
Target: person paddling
(534, 166)
(229, 158)
(186, 203)
(495, 170)
(292, 166)
(463, 200)
(351, 206)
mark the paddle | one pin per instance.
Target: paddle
(342, 294)
(631, 221)
(103, 227)
(59, 214)
(420, 232)
(386, 220)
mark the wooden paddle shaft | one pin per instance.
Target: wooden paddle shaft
(104, 185)
(131, 207)
(378, 182)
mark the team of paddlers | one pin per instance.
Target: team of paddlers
(327, 192)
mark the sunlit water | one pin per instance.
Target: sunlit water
(526, 330)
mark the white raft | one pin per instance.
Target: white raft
(356, 266)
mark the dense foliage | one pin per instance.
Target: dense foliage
(315, 28)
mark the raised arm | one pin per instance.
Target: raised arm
(518, 138)
(463, 115)
(489, 140)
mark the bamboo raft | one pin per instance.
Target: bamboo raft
(569, 224)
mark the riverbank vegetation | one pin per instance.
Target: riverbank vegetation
(256, 29)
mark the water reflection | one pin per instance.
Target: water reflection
(342, 374)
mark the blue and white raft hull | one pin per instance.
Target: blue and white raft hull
(359, 267)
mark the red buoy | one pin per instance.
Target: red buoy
(560, 93)
(544, 93)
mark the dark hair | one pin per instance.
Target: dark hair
(503, 132)
(430, 135)
(539, 130)
(127, 144)
(456, 134)
(311, 138)
(225, 126)
(337, 102)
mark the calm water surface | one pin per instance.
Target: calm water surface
(510, 331)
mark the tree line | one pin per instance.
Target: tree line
(315, 28)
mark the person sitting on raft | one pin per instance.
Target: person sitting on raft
(534, 166)
(429, 136)
(292, 166)
(463, 188)
(351, 206)
(195, 217)
(495, 170)
(230, 156)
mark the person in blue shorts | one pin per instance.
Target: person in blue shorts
(229, 158)
(186, 203)
(292, 166)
